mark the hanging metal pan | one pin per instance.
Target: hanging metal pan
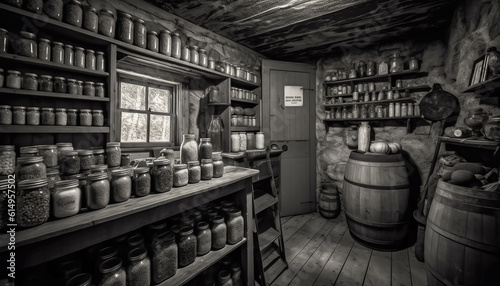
(438, 104)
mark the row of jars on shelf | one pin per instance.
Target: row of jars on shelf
(31, 81)
(240, 93)
(26, 45)
(362, 88)
(243, 141)
(393, 109)
(367, 97)
(243, 121)
(154, 253)
(21, 115)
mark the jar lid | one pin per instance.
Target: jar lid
(193, 163)
(89, 82)
(19, 107)
(119, 173)
(98, 151)
(206, 161)
(97, 111)
(28, 149)
(194, 48)
(27, 35)
(68, 46)
(80, 82)
(166, 236)
(46, 76)
(75, 2)
(89, 51)
(72, 110)
(234, 212)
(82, 279)
(59, 78)
(113, 144)
(31, 74)
(58, 43)
(201, 50)
(32, 184)
(97, 176)
(124, 14)
(47, 109)
(84, 110)
(7, 147)
(90, 8)
(152, 32)
(46, 147)
(64, 144)
(202, 225)
(186, 230)
(165, 31)
(110, 265)
(43, 40)
(140, 21)
(99, 53)
(205, 140)
(138, 253)
(100, 167)
(79, 48)
(69, 153)
(14, 72)
(180, 166)
(61, 109)
(66, 184)
(32, 108)
(161, 162)
(3, 30)
(99, 84)
(135, 240)
(52, 171)
(141, 170)
(189, 136)
(85, 152)
(107, 12)
(71, 80)
(218, 219)
(260, 132)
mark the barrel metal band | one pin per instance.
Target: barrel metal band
(375, 224)
(462, 240)
(438, 276)
(466, 207)
(465, 198)
(406, 186)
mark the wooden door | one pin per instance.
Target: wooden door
(288, 98)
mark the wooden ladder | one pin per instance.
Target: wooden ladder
(268, 234)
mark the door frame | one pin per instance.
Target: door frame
(268, 65)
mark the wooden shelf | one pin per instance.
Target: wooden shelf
(263, 202)
(51, 65)
(218, 104)
(405, 99)
(51, 129)
(201, 263)
(404, 74)
(369, 119)
(244, 101)
(51, 94)
(485, 88)
(267, 238)
(245, 128)
(472, 142)
(409, 88)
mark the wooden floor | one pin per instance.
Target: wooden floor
(322, 252)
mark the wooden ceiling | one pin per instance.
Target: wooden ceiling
(305, 30)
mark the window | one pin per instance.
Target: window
(147, 111)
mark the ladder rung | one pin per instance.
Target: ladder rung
(267, 237)
(263, 202)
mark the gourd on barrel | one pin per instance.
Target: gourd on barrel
(382, 147)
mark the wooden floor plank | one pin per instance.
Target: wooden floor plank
(329, 274)
(400, 268)
(284, 219)
(354, 270)
(417, 268)
(291, 226)
(379, 269)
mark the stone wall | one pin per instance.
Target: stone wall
(475, 26)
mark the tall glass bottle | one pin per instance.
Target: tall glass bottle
(215, 130)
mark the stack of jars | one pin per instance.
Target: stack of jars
(198, 162)
(21, 115)
(243, 94)
(241, 141)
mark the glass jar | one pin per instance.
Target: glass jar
(53, 9)
(235, 142)
(153, 43)
(207, 169)
(140, 33)
(44, 49)
(112, 273)
(81, 279)
(413, 65)
(234, 120)
(33, 116)
(189, 148)
(164, 257)
(410, 109)
(26, 45)
(13, 79)
(181, 175)
(73, 13)
(61, 148)
(100, 61)
(162, 175)
(396, 95)
(397, 109)
(4, 40)
(235, 223)
(404, 109)
(72, 86)
(243, 141)
(89, 88)
(218, 165)
(194, 56)
(125, 28)
(90, 19)
(52, 173)
(391, 109)
(224, 278)
(18, 115)
(90, 59)
(58, 52)
(141, 182)
(219, 233)
(203, 238)
(5, 115)
(66, 199)
(49, 155)
(396, 63)
(80, 87)
(211, 63)
(60, 84)
(125, 159)
(383, 68)
(214, 95)
(33, 202)
(176, 46)
(7, 160)
(86, 159)
(46, 83)
(106, 25)
(48, 116)
(139, 267)
(205, 148)
(97, 191)
(113, 154)
(85, 117)
(165, 42)
(99, 89)
(121, 186)
(70, 164)
(97, 117)
(30, 168)
(187, 246)
(203, 58)
(99, 156)
(194, 172)
(186, 53)
(259, 141)
(379, 110)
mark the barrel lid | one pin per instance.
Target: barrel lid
(372, 157)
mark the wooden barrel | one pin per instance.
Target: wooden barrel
(329, 204)
(375, 196)
(462, 237)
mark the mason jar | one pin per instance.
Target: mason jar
(80, 87)
(48, 116)
(162, 175)
(61, 148)
(61, 117)
(181, 175)
(139, 33)
(13, 79)
(90, 19)
(44, 49)
(106, 25)
(97, 117)
(235, 224)
(26, 45)
(99, 89)
(112, 272)
(5, 115)
(176, 46)
(18, 115)
(207, 169)
(194, 56)
(79, 58)
(141, 182)
(185, 53)
(139, 267)
(66, 198)
(187, 246)
(99, 156)
(194, 172)
(90, 60)
(205, 148)
(73, 13)
(86, 159)
(97, 191)
(259, 141)
(89, 88)
(72, 117)
(33, 116)
(32, 203)
(72, 86)
(121, 186)
(218, 165)
(60, 84)
(4, 41)
(396, 63)
(85, 117)
(58, 52)
(46, 83)
(54, 9)
(125, 28)
(219, 233)
(211, 63)
(30, 168)
(113, 154)
(153, 43)
(7, 160)
(165, 42)
(164, 257)
(70, 165)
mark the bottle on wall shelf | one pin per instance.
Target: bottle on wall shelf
(364, 136)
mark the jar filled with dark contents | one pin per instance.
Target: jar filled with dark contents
(69, 55)
(203, 238)
(66, 199)
(19, 115)
(112, 272)
(58, 52)
(89, 88)
(194, 171)
(35, 6)
(235, 223)
(139, 267)
(90, 19)
(207, 169)
(61, 117)
(26, 45)
(4, 41)
(153, 43)
(141, 182)
(5, 115)
(139, 33)
(73, 13)
(46, 83)
(99, 156)
(113, 154)
(71, 163)
(97, 117)
(106, 25)
(86, 159)
(32, 202)
(97, 191)
(121, 186)
(49, 155)
(218, 165)
(125, 28)
(99, 89)
(72, 86)
(165, 42)
(44, 49)
(53, 9)
(85, 117)
(219, 233)
(162, 175)
(205, 148)
(30, 81)
(181, 175)
(52, 177)
(60, 84)
(164, 257)
(61, 148)
(81, 279)
(189, 149)
(28, 151)
(13, 79)
(125, 159)
(187, 246)
(30, 168)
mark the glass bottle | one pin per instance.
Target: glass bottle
(370, 68)
(355, 111)
(30, 168)
(205, 148)
(391, 109)
(352, 72)
(30, 81)
(141, 182)
(112, 272)
(383, 68)
(235, 142)
(194, 55)
(410, 109)
(97, 191)
(243, 141)
(413, 65)
(113, 154)
(97, 117)
(203, 238)
(32, 202)
(185, 54)
(85, 117)
(18, 115)
(362, 69)
(48, 116)
(397, 109)
(176, 46)
(181, 175)
(364, 136)
(215, 132)
(404, 110)
(125, 28)
(61, 117)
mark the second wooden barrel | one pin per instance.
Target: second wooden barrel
(329, 204)
(462, 237)
(375, 198)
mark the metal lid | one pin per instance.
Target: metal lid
(32, 108)
(32, 184)
(193, 163)
(99, 83)
(75, 2)
(58, 43)
(97, 176)
(90, 51)
(206, 161)
(46, 76)
(28, 149)
(71, 80)
(27, 35)
(165, 31)
(64, 144)
(72, 110)
(85, 152)
(84, 110)
(140, 21)
(90, 8)
(89, 82)
(3, 30)
(61, 109)
(97, 110)
(124, 14)
(66, 184)
(14, 72)
(19, 107)
(7, 147)
(119, 172)
(59, 78)
(31, 74)
(189, 136)
(113, 144)
(52, 171)
(180, 166)
(70, 153)
(47, 109)
(187, 230)
(68, 46)
(29, 160)
(152, 32)
(161, 162)
(107, 12)
(98, 151)
(100, 167)
(141, 170)
(99, 53)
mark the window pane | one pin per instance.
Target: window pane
(160, 100)
(134, 127)
(160, 128)
(133, 96)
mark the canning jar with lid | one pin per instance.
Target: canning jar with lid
(46, 83)
(60, 84)
(72, 86)
(176, 46)
(153, 43)
(85, 117)
(48, 116)
(61, 148)
(219, 232)
(259, 141)
(44, 49)
(396, 63)
(106, 23)
(86, 159)
(13, 79)
(66, 198)
(243, 141)
(58, 52)
(7, 160)
(4, 40)
(72, 117)
(73, 13)
(79, 57)
(18, 115)
(211, 63)
(1, 78)
(33, 116)
(90, 18)
(139, 33)
(99, 89)
(26, 45)
(141, 182)
(205, 148)
(218, 165)
(5, 115)
(49, 155)
(235, 142)
(165, 42)
(70, 165)
(112, 272)
(99, 156)
(164, 257)
(181, 175)
(100, 61)
(162, 175)
(90, 59)
(81, 279)
(207, 169)
(121, 186)
(69, 55)
(80, 87)
(187, 246)
(189, 149)
(89, 88)
(53, 9)
(185, 53)
(139, 267)
(113, 154)
(125, 28)
(194, 172)
(235, 224)
(203, 238)
(33, 202)
(97, 117)
(194, 56)
(31, 168)
(52, 177)
(97, 191)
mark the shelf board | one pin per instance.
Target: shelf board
(405, 99)
(185, 274)
(51, 94)
(369, 119)
(267, 237)
(263, 202)
(51, 129)
(245, 129)
(218, 104)
(417, 88)
(486, 87)
(52, 65)
(472, 142)
(403, 74)
(244, 101)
